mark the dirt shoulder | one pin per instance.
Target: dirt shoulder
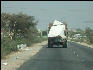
(16, 59)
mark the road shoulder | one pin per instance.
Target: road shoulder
(16, 59)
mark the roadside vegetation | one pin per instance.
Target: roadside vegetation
(80, 35)
(18, 29)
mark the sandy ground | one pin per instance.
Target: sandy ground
(16, 59)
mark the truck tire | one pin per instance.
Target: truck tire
(65, 45)
(49, 44)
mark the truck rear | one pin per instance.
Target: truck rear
(57, 34)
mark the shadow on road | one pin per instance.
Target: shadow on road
(54, 47)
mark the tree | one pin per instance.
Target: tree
(89, 34)
(44, 33)
(19, 25)
(5, 29)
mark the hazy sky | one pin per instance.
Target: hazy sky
(77, 14)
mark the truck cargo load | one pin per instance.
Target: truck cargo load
(57, 34)
(57, 29)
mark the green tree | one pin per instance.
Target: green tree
(5, 29)
(89, 34)
(44, 33)
(21, 24)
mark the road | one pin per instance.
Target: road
(75, 57)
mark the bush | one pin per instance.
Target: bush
(21, 40)
(89, 35)
(39, 39)
(7, 46)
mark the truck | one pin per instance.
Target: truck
(57, 34)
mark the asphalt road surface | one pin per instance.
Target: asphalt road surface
(75, 57)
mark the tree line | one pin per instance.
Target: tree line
(87, 35)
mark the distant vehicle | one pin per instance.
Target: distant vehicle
(57, 34)
(77, 36)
